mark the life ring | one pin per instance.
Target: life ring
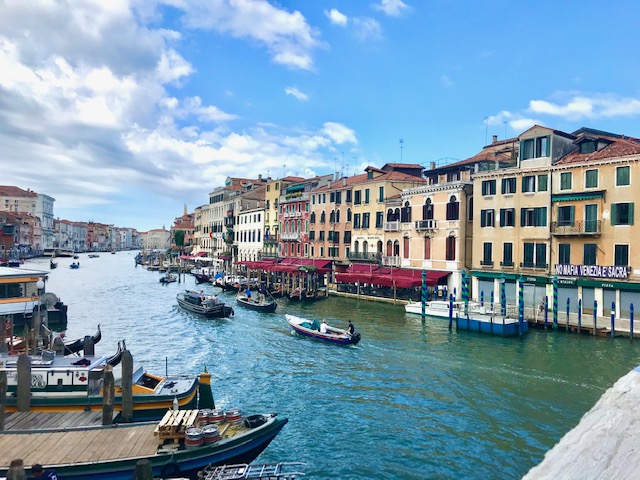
(170, 469)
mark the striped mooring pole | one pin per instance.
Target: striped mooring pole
(520, 304)
(503, 296)
(568, 308)
(579, 314)
(595, 316)
(482, 298)
(546, 312)
(613, 319)
(424, 293)
(555, 302)
(631, 321)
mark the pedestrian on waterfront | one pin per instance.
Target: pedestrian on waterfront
(351, 329)
(39, 472)
(323, 326)
(16, 470)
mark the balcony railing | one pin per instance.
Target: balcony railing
(391, 261)
(486, 263)
(580, 227)
(426, 224)
(290, 236)
(392, 226)
(364, 256)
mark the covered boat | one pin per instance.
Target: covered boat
(175, 447)
(261, 305)
(310, 328)
(207, 305)
(60, 384)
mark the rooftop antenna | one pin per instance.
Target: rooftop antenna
(401, 147)
(505, 129)
(342, 166)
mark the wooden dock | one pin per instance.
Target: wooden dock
(48, 420)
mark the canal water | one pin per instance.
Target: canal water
(411, 401)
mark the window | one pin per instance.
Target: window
(321, 238)
(356, 197)
(332, 197)
(356, 220)
(541, 255)
(487, 218)
(535, 255)
(338, 198)
(528, 255)
(348, 199)
(348, 214)
(453, 209)
(542, 183)
(405, 213)
(535, 147)
(542, 147)
(427, 248)
(312, 235)
(566, 215)
(450, 253)
(366, 196)
(379, 219)
(528, 183)
(533, 217)
(507, 217)
(453, 176)
(622, 176)
(332, 217)
(347, 237)
(427, 210)
(588, 147)
(487, 248)
(591, 179)
(405, 247)
(365, 220)
(337, 216)
(527, 149)
(622, 214)
(488, 187)
(508, 185)
(621, 255)
(507, 254)
(322, 217)
(589, 257)
(564, 253)
(381, 194)
(565, 181)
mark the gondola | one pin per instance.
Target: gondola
(71, 348)
(115, 359)
(202, 278)
(207, 305)
(53, 264)
(267, 306)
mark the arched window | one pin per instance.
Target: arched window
(390, 215)
(389, 248)
(379, 249)
(396, 215)
(453, 208)
(405, 247)
(332, 217)
(427, 210)
(405, 213)
(396, 248)
(356, 246)
(322, 217)
(313, 217)
(337, 216)
(299, 226)
(450, 253)
(365, 247)
(348, 214)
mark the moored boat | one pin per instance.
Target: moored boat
(60, 384)
(174, 448)
(202, 277)
(264, 305)
(440, 308)
(169, 278)
(310, 328)
(207, 305)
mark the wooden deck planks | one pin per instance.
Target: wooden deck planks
(78, 445)
(46, 420)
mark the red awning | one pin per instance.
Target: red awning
(400, 277)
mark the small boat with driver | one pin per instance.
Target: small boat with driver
(261, 305)
(207, 305)
(168, 278)
(53, 264)
(309, 328)
(75, 265)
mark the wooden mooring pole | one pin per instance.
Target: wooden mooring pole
(3, 397)
(127, 386)
(24, 383)
(108, 395)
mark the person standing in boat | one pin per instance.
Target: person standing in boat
(261, 293)
(247, 292)
(323, 326)
(351, 329)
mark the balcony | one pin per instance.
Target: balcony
(536, 265)
(294, 197)
(391, 226)
(578, 228)
(423, 225)
(391, 261)
(292, 214)
(364, 256)
(486, 263)
(290, 236)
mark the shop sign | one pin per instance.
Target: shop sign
(569, 270)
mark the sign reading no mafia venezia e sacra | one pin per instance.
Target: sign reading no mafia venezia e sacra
(568, 270)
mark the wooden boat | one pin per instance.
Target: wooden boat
(175, 447)
(207, 305)
(61, 384)
(76, 346)
(53, 264)
(93, 255)
(202, 278)
(168, 278)
(311, 329)
(75, 265)
(268, 306)
(307, 295)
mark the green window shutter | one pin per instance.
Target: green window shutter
(572, 214)
(631, 213)
(614, 214)
(522, 216)
(502, 215)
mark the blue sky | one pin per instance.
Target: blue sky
(125, 111)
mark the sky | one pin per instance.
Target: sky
(125, 111)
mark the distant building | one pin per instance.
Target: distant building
(157, 239)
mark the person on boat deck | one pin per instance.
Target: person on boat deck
(247, 292)
(351, 329)
(39, 472)
(262, 292)
(323, 326)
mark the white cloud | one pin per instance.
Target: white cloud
(339, 133)
(294, 92)
(336, 17)
(393, 8)
(579, 107)
(286, 35)
(367, 29)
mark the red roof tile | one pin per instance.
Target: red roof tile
(618, 148)
(11, 191)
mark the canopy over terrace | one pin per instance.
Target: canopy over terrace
(290, 265)
(389, 277)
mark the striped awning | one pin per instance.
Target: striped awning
(572, 197)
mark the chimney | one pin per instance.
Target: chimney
(344, 181)
(259, 177)
(495, 139)
(432, 165)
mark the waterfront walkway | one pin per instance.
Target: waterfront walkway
(604, 444)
